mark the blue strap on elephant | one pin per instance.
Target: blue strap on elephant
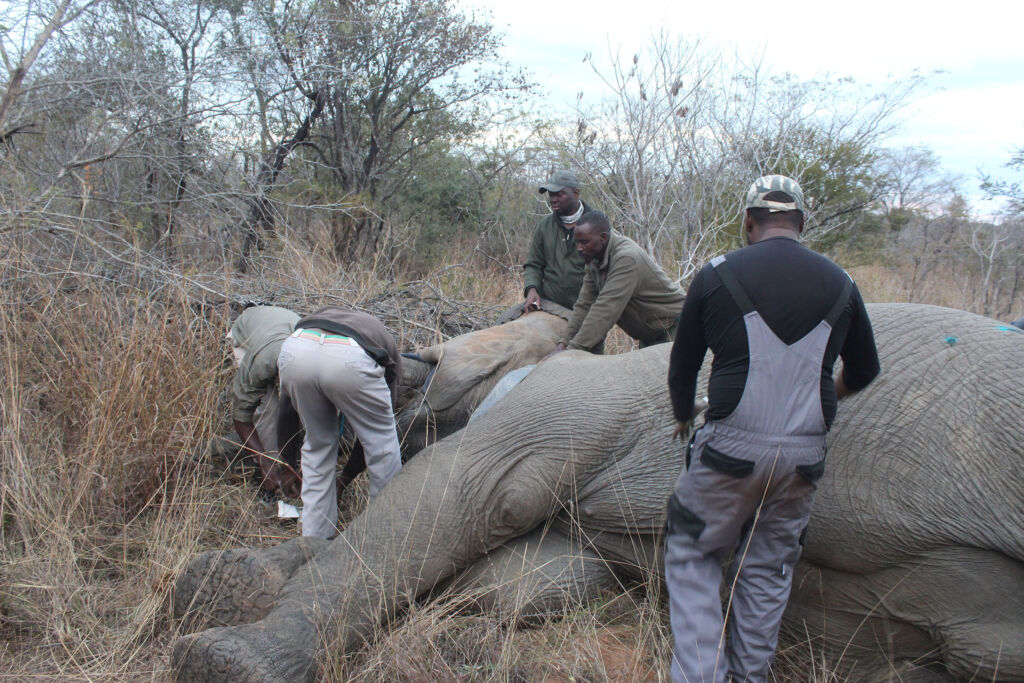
(504, 385)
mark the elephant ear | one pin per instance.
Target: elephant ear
(468, 365)
(460, 373)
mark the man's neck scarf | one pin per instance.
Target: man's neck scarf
(570, 221)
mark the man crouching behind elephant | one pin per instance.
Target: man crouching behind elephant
(775, 314)
(256, 338)
(340, 362)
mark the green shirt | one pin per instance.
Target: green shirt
(626, 287)
(553, 266)
(260, 330)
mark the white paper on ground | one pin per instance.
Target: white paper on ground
(286, 511)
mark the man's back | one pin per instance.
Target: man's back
(793, 289)
(775, 315)
(260, 331)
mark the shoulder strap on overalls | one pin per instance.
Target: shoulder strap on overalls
(840, 304)
(739, 295)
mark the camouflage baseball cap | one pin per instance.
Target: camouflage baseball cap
(765, 185)
(560, 180)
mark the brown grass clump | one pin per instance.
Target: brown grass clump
(618, 638)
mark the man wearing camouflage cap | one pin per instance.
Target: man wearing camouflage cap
(776, 315)
(553, 269)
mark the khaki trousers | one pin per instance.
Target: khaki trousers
(325, 379)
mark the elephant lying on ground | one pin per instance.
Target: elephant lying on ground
(441, 388)
(915, 549)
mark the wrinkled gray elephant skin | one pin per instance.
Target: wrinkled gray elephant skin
(915, 551)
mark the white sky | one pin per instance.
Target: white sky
(971, 116)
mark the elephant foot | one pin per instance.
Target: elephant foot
(218, 655)
(284, 651)
(240, 586)
(242, 653)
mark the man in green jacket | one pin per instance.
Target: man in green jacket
(623, 285)
(256, 337)
(553, 268)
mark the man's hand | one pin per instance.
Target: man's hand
(558, 349)
(842, 391)
(283, 479)
(683, 427)
(532, 302)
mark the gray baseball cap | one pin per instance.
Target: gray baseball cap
(765, 185)
(560, 180)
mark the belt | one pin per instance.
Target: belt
(324, 337)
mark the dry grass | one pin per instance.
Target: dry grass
(617, 637)
(941, 286)
(110, 396)
(113, 386)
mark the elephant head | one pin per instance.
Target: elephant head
(443, 384)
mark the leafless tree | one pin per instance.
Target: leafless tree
(683, 132)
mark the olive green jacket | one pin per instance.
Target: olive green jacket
(553, 266)
(626, 287)
(260, 330)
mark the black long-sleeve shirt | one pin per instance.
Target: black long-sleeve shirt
(793, 288)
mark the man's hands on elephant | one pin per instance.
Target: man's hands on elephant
(532, 302)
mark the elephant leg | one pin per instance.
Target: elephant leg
(834, 612)
(959, 607)
(228, 587)
(541, 574)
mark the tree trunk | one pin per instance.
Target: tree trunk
(260, 216)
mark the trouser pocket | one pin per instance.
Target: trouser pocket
(689, 448)
(812, 472)
(682, 520)
(724, 463)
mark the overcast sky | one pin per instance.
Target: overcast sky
(971, 116)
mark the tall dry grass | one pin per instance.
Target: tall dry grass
(113, 384)
(110, 394)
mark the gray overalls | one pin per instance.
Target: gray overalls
(748, 487)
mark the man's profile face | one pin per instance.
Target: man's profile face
(590, 241)
(565, 201)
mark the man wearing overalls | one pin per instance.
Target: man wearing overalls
(775, 315)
